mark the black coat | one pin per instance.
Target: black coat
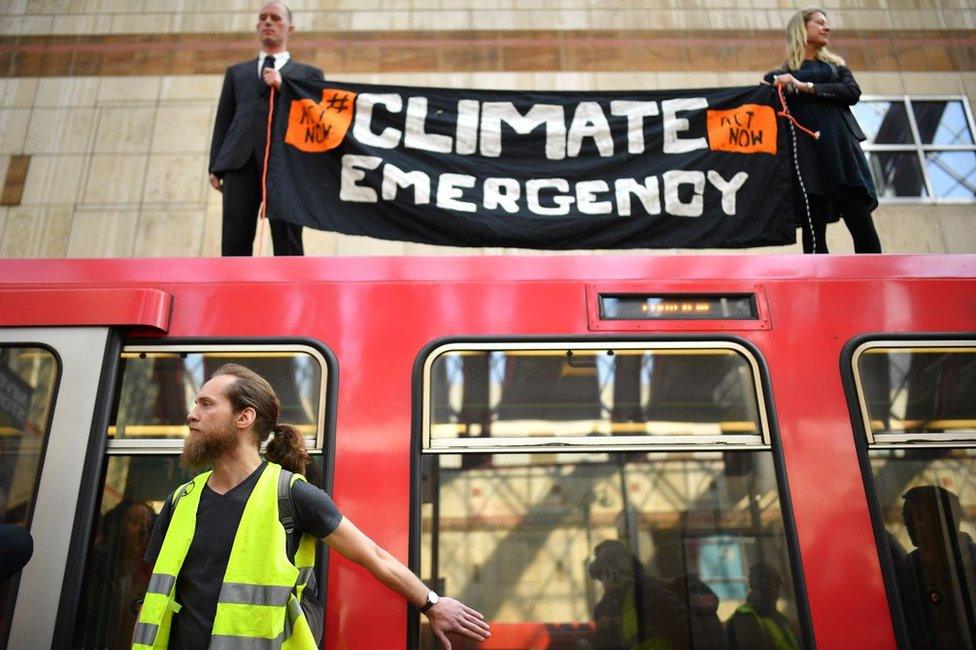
(833, 168)
(242, 115)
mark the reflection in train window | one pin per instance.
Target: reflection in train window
(158, 386)
(615, 548)
(28, 381)
(142, 466)
(620, 393)
(920, 406)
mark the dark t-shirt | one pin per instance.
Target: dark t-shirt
(218, 515)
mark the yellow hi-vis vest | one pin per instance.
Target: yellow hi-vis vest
(777, 637)
(259, 605)
(630, 629)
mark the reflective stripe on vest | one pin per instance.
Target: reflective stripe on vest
(258, 606)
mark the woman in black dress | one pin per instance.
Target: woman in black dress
(834, 174)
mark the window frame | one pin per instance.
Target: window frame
(905, 440)
(590, 443)
(149, 445)
(862, 435)
(767, 413)
(920, 149)
(50, 418)
(14, 580)
(100, 450)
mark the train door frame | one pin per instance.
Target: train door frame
(862, 442)
(83, 353)
(99, 448)
(768, 415)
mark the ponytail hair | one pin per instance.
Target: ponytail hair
(286, 447)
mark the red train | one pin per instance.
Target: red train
(595, 451)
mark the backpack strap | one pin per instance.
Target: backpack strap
(286, 510)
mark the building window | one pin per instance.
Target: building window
(918, 407)
(920, 148)
(617, 494)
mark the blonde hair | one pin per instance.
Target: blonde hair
(796, 41)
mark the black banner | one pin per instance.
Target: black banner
(704, 168)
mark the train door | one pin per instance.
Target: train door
(49, 387)
(615, 493)
(913, 401)
(137, 466)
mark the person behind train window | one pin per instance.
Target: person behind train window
(240, 135)
(757, 624)
(16, 548)
(937, 580)
(224, 575)
(834, 174)
(637, 611)
(119, 576)
(702, 604)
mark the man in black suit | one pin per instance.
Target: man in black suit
(240, 135)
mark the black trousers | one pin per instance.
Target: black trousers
(857, 218)
(242, 200)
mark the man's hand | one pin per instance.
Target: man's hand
(216, 183)
(272, 77)
(450, 615)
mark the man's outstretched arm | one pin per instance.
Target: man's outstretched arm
(448, 615)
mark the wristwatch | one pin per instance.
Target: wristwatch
(432, 599)
(810, 85)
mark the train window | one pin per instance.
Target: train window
(158, 386)
(657, 544)
(28, 382)
(588, 395)
(148, 424)
(918, 406)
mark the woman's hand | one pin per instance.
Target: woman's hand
(791, 83)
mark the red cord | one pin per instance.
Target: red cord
(264, 172)
(786, 113)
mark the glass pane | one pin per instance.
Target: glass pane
(919, 390)
(158, 389)
(942, 122)
(28, 381)
(896, 173)
(134, 489)
(626, 550)
(883, 122)
(952, 173)
(590, 392)
(928, 501)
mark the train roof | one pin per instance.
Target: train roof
(482, 268)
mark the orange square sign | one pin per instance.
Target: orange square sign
(316, 127)
(750, 128)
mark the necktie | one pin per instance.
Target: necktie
(268, 62)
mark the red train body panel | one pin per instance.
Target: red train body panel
(377, 314)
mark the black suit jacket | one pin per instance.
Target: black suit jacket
(242, 114)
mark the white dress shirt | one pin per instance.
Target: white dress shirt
(280, 59)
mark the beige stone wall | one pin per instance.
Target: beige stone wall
(210, 16)
(140, 188)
